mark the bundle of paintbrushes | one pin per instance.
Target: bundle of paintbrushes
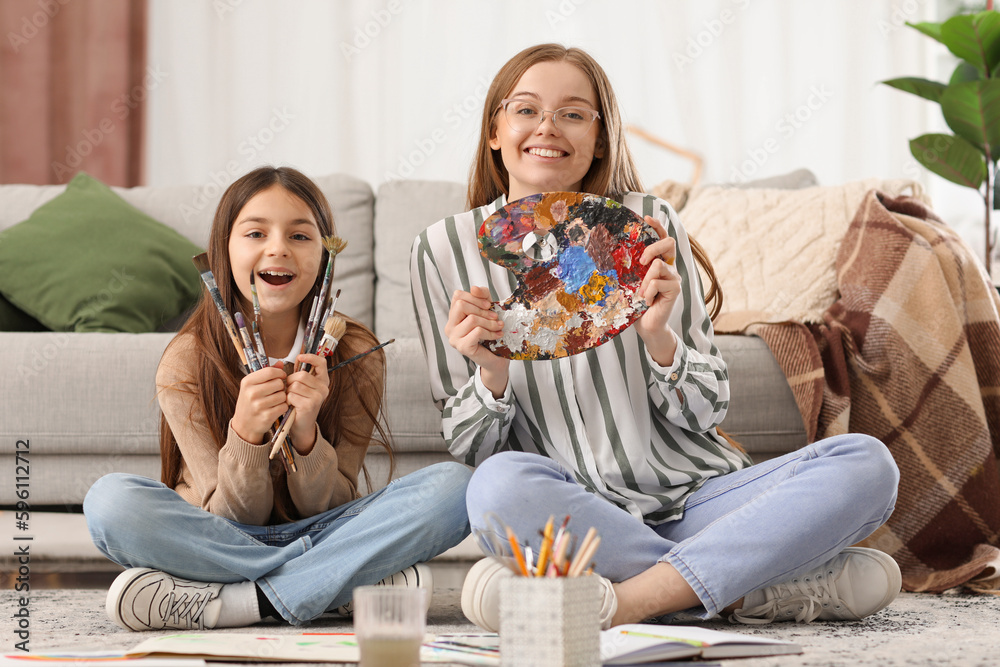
(250, 350)
(323, 332)
(558, 555)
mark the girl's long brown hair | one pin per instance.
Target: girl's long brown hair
(611, 176)
(218, 377)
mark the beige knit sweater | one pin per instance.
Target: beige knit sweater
(235, 482)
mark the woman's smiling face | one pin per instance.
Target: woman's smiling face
(275, 237)
(544, 159)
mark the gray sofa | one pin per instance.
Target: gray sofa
(85, 401)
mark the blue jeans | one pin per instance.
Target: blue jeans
(740, 532)
(304, 568)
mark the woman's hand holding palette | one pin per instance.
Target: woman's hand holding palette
(576, 260)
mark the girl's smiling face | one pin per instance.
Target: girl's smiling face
(275, 236)
(544, 160)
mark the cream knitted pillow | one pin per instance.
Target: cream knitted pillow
(774, 251)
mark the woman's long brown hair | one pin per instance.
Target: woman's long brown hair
(217, 378)
(611, 176)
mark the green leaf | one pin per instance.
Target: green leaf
(932, 30)
(975, 38)
(965, 72)
(925, 88)
(950, 157)
(972, 111)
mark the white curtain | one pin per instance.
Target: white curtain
(383, 89)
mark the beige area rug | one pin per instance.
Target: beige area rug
(917, 629)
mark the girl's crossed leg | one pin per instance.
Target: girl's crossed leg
(303, 568)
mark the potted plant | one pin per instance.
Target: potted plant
(970, 103)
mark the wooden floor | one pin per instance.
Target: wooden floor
(47, 575)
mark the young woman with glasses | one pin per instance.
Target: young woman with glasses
(623, 437)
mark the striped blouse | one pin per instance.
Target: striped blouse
(641, 435)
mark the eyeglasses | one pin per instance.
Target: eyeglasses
(525, 116)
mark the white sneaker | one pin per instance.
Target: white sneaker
(147, 599)
(856, 583)
(417, 576)
(481, 595)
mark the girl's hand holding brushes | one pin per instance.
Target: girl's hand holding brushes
(307, 390)
(267, 394)
(261, 401)
(320, 348)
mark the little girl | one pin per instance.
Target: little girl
(623, 437)
(229, 537)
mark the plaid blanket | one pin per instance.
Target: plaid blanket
(910, 353)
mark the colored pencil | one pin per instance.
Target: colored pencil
(559, 557)
(546, 548)
(584, 553)
(516, 548)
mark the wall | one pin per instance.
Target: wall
(393, 88)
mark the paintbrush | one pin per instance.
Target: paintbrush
(286, 448)
(333, 306)
(281, 434)
(255, 326)
(309, 325)
(248, 350)
(334, 246)
(317, 340)
(333, 331)
(201, 263)
(363, 354)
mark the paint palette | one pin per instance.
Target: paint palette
(576, 260)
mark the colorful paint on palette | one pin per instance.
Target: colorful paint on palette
(576, 261)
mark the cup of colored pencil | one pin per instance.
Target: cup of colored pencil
(550, 613)
(559, 555)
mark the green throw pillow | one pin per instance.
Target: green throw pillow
(15, 319)
(90, 261)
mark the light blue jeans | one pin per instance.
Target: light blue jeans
(304, 568)
(740, 532)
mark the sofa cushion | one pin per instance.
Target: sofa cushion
(774, 249)
(88, 261)
(403, 210)
(189, 209)
(414, 421)
(86, 393)
(13, 318)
